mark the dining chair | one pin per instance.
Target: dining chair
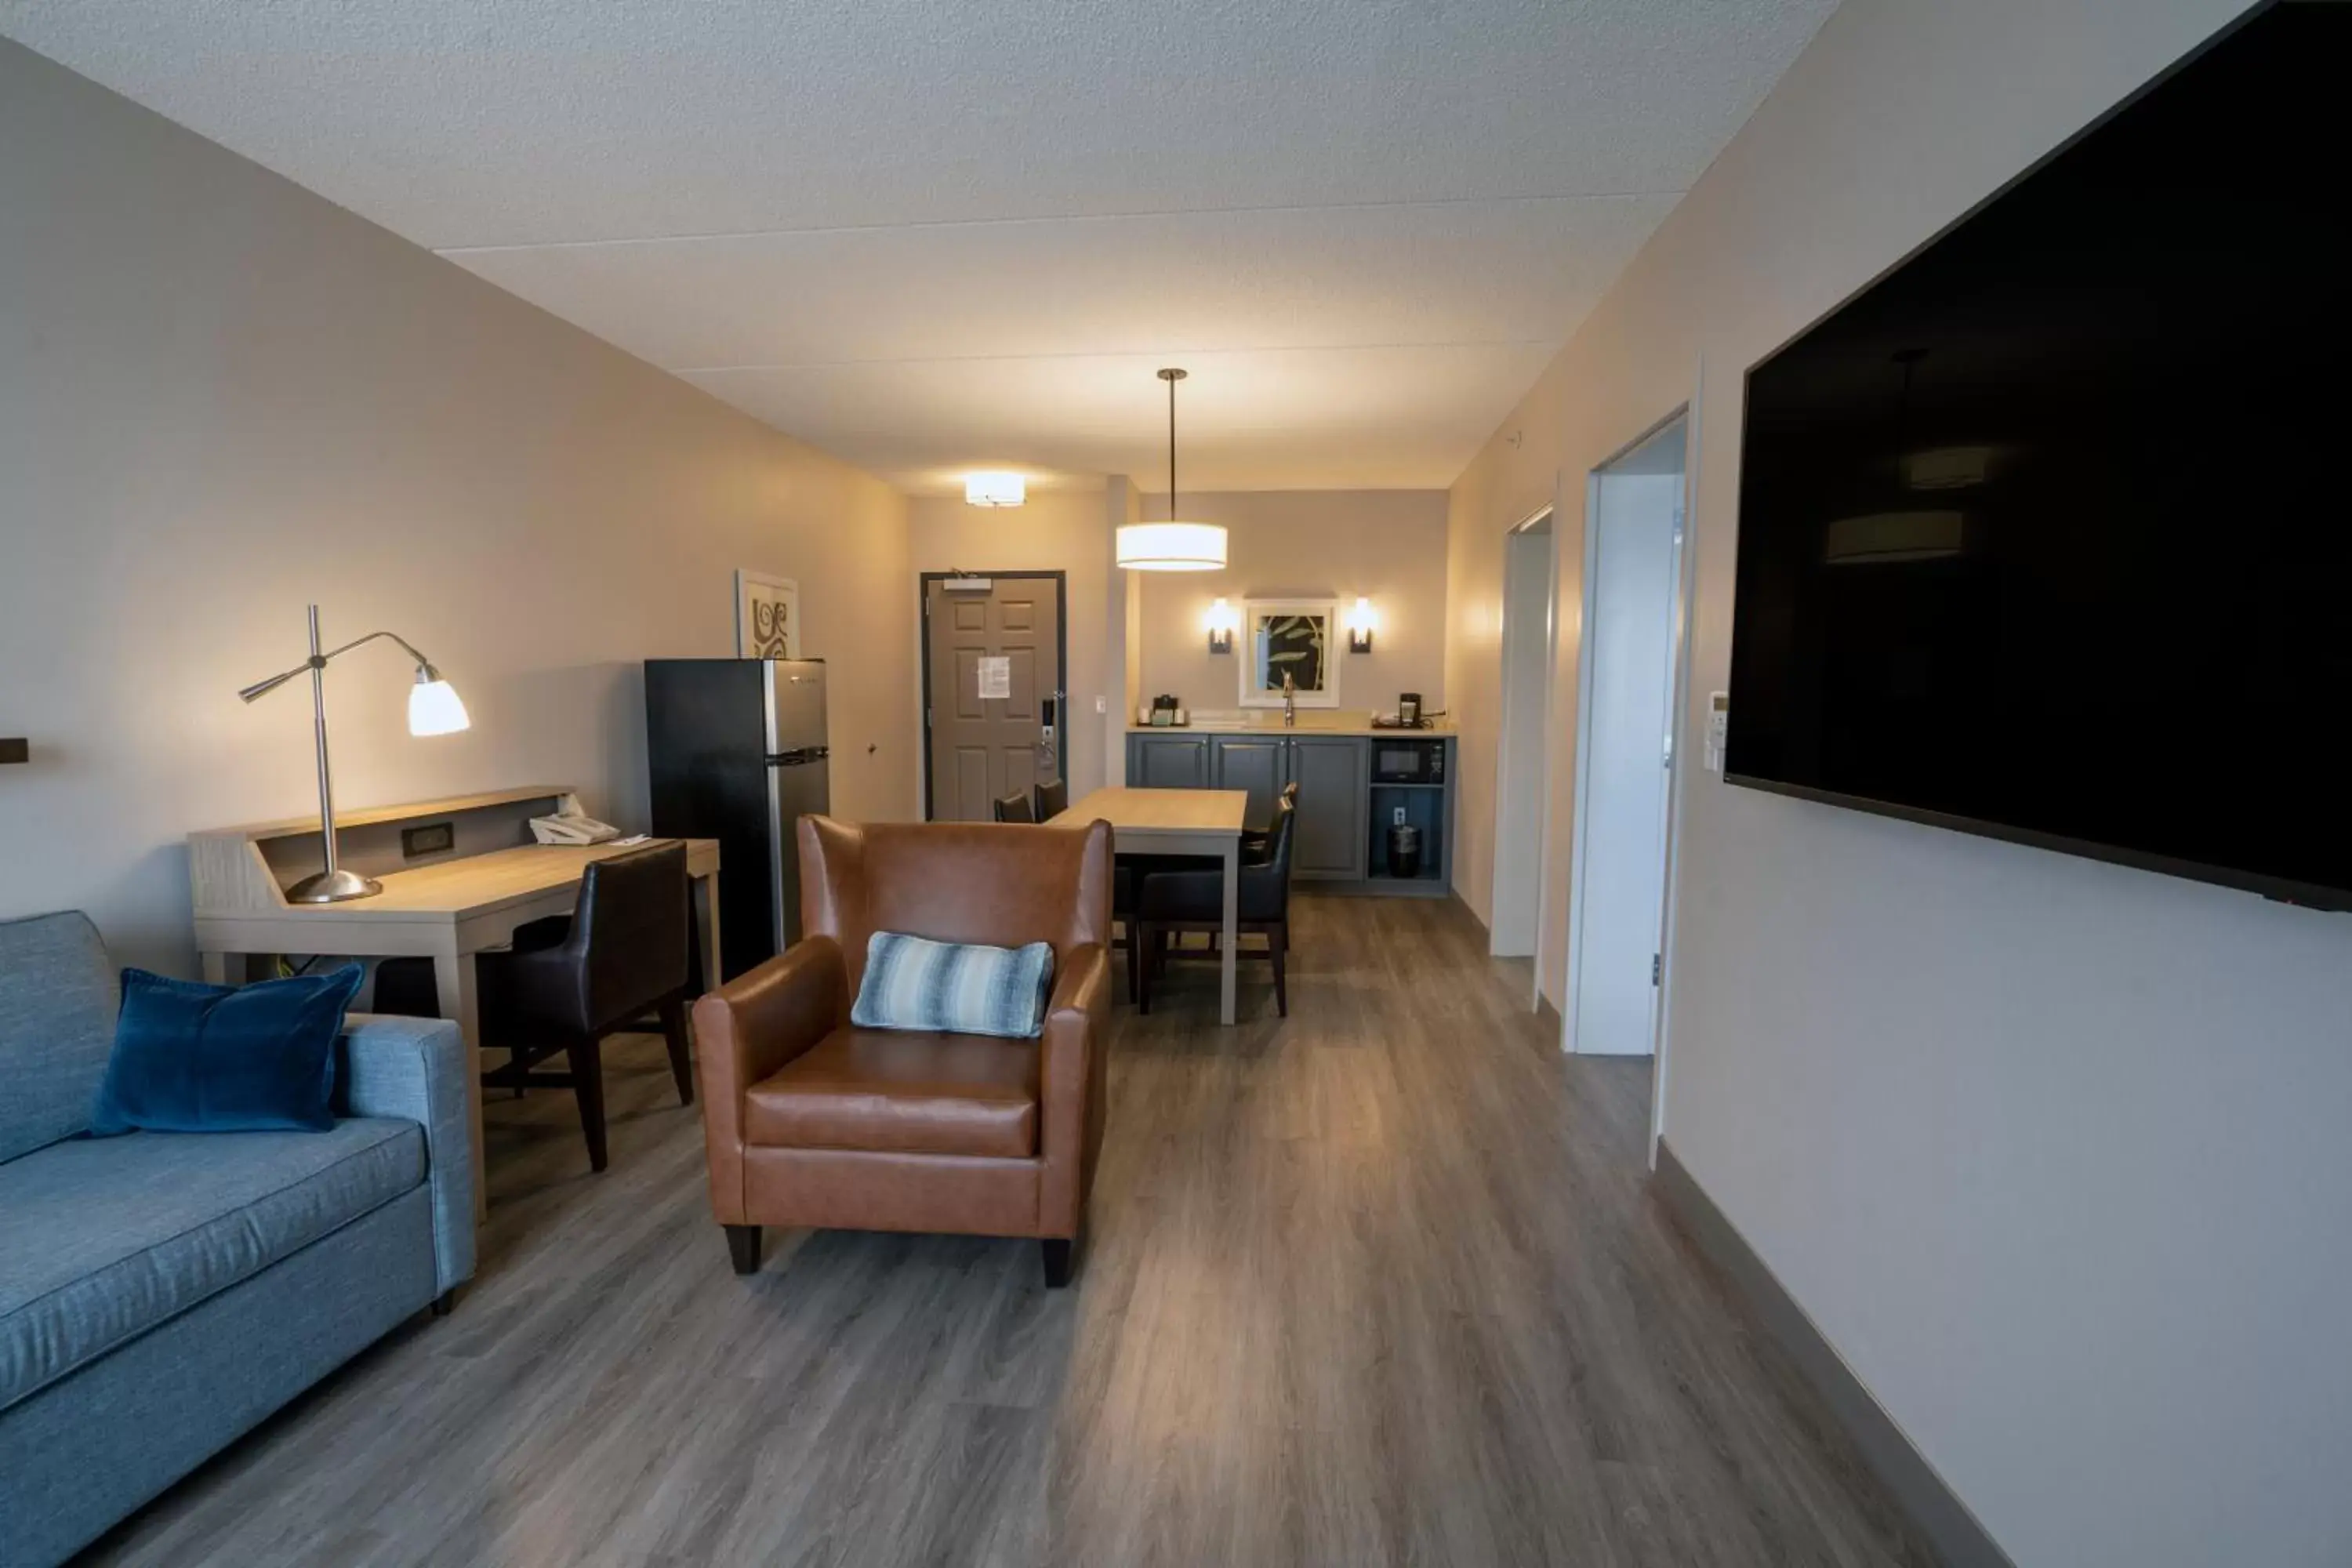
(1016, 807)
(1053, 799)
(1170, 902)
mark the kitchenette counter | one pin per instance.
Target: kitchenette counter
(1376, 806)
(1354, 724)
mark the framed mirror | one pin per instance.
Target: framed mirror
(1296, 638)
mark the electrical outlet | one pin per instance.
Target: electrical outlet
(432, 838)
(1399, 817)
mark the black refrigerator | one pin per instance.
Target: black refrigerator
(736, 750)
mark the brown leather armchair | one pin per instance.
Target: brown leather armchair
(809, 1121)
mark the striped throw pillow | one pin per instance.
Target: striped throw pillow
(914, 984)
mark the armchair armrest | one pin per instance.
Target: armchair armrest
(1071, 1087)
(746, 1030)
(415, 1069)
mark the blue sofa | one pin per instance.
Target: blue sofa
(160, 1293)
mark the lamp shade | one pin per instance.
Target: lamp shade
(1171, 547)
(994, 487)
(434, 708)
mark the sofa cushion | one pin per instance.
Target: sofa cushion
(192, 1057)
(901, 1092)
(57, 1023)
(103, 1239)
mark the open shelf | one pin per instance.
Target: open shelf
(1423, 806)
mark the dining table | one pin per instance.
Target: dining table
(1198, 822)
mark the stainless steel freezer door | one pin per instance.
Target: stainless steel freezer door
(795, 691)
(798, 786)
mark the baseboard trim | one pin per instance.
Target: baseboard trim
(1942, 1520)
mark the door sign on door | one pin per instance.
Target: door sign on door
(995, 677)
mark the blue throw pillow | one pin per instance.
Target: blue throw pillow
(914, 984)
(190, 1057)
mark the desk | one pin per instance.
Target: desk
(1177, 822)
(448, 909)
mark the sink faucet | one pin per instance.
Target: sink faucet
(1289, 702)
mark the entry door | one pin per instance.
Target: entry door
(992, 660)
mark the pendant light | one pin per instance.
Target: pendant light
(1171, 546)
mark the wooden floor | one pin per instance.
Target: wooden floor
(1380, 1285)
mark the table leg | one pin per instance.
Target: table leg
(216, 967)
(1232, 943)
(706, 890)
(453, 978)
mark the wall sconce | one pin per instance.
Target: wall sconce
(1361, 623)
(1221, 623)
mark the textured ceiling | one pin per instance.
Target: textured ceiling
(930, 238)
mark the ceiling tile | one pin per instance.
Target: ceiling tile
(1252, 279)
(927, 236)
(458, 123)
(1334, 419)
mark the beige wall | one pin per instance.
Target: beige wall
(221, 397)
(1055, 531)
(2051, 1151)
(1387, 545)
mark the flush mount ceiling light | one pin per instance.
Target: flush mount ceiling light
(1171, 546)
(995, 487)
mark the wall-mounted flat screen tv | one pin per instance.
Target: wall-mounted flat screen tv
(2047, 533)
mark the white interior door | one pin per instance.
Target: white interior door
(1633, 565)
(1530, 574)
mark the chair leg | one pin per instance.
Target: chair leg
(1140, 946)
(743, 1246)
(588, 1084)
(446, 1302)
(681, 1061)
(1277, 944)
(1057, 1261)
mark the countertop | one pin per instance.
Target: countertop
(1346, 724)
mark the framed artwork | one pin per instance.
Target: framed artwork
(1293, 637)
(767, 616)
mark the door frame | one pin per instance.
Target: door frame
(1677, 677)
(923, 581)
(1548, 513)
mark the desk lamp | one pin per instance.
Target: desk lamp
(432, 709)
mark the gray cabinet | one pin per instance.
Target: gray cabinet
(1337, 802)
(1259, 764)
(1169, 761)
(1332, 773)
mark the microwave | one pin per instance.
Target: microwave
(1408, 762)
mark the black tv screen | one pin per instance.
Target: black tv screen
(2045, 535)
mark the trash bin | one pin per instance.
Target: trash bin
(1404, 851)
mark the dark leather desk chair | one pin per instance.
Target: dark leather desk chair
(811, 1121)
(1015, 808)
(1053, 799)
(623, 953)
(1174, 901)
